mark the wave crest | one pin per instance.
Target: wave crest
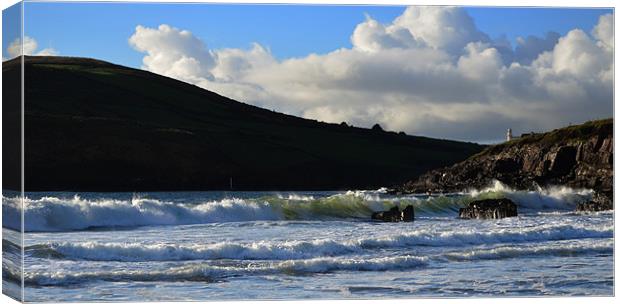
(210, 272)
(214, 270)
(295, 250)
(62, 214)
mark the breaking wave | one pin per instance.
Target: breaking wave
(506, 252)
(210, 272)
(215, 270)
(295, 250)
(551, 198)
(62, 214)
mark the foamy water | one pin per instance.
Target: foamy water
(215, 245)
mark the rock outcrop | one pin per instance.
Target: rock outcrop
(395, 215)
(599, 202)
(489, 209)
(578, 156)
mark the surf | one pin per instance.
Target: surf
(56, 213)
(214, 270)
(299, 249)
(209, 272)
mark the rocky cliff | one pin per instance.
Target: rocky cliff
(577, 156)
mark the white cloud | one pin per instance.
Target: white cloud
(445, 28)
(30, 47)
(529, 48)
(604, 32)
(429, 72)
(481, 62)
(235, 63)
(173, 52)
(373, 36)
(576, 53)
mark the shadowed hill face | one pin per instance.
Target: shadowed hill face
(91, 125)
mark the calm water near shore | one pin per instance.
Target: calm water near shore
(300, 245)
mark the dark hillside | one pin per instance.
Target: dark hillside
(96, 126)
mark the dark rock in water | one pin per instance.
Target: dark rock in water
(489, 209)
(392, 215)
(408, 214)
(377, 215)
(395, 215)
(599, 202)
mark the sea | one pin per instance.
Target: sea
(208, 246)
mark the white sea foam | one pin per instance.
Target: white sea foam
(58, 214)
(296, 197)
(207, 272)
(55, 214)
(550, 198)
(326, 264)
(512, 251)
(98, 251)
(293, 250)
(474, 236)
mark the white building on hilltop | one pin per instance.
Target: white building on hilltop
(509, 135)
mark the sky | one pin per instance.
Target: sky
(464, 73)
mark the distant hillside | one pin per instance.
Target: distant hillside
(96, 126)
(578, 156)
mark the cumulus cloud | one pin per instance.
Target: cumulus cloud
(373, 36)
(30, 47)
(445, 28)
(428, 72)
(529, 48)
(579, 55)
(604, 32)
(173, 52)
(481, 63)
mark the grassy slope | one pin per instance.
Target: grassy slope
(578, 132)
(92, 125)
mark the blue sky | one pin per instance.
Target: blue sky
(437, 71)
(101, 30)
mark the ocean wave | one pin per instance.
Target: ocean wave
(214, 270)
(62, 214)
(11, 261)
(210, 272)
(296, 197)
(56, 214)
(505, 252)
(294, 250)
(550, 198)
(76, 213)
(473, 236)
(135, 252)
